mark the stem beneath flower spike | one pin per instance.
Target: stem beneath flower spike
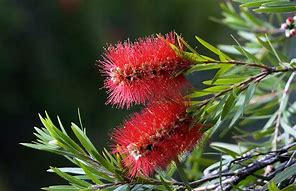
(182, 174)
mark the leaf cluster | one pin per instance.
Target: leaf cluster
(269, 6)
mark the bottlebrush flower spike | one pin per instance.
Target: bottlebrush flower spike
(156, 136)
(141, 71)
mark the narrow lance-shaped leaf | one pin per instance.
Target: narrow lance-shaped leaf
(90, 148)
(62, 139)
(61, 188)
(212, 48)
(228, 106)
(89, 174)
(165, 184)
(71, 179)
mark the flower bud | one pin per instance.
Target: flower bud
(284, 26)
(289, 20)
(293, 32)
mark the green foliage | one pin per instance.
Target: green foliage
(94, 170)
(270, 6)
(248, 101)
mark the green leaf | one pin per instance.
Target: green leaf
(262, 133)
(182, 174)
(202, 67)
(254, 20)
(79, 117)
(61, 126)
(83, 139)
(225, 81)
(171, 170)
(249, 93)
(272, 187)
(62, 139)
(228, 106)
(43, 134)
(215, 89)
(89, 174)
(194, 58)
(165, 184)
(272, 48)
(187, 45)
(241, 49)
(71, 170)
(236, 116)
(90, 147)
(212, 48)
(230, 149)
(110, 157)
(224, 68)
(254, 3)
(231, 49)
(279, 3)
(288, 128)
(213, 114)
(291, 187)
(71, 179)
(99, 172)
(61, 188)
(263, 43)
(267, 44)
(198, 94)
(247, 35)
(270, 6)
(280, 9)
(222, 56)
(250, 56)
(124, 187)
(248, 96)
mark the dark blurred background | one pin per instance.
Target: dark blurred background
(48, 51)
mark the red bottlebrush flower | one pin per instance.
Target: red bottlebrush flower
(141, 71)
(156, 136)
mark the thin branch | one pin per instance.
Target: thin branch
(209, 178)
(245, 84)
(269, 31)
(281, 110)
(271, 158)
(281, 168)
(249, 170)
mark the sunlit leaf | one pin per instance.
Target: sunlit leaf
(230, 149)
